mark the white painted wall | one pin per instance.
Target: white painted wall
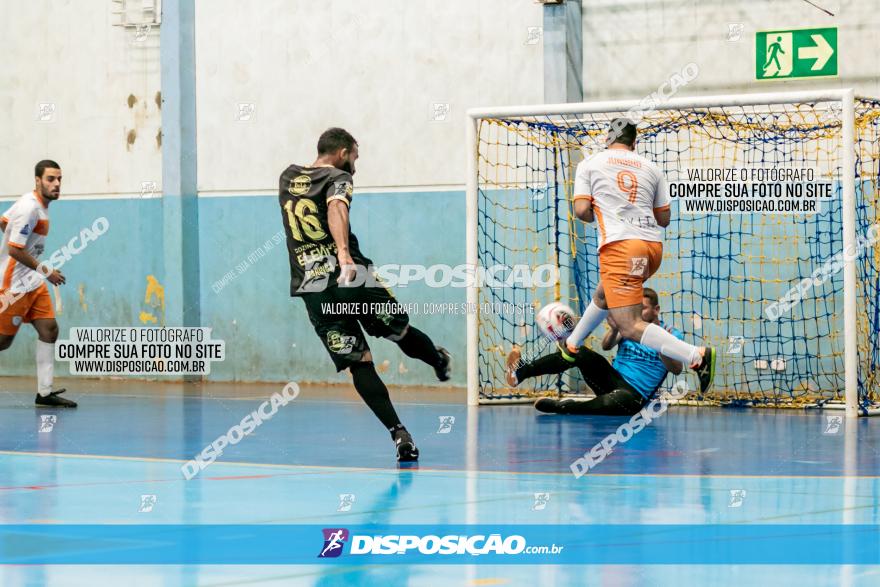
(374, 68)
(632, 46)
(67, 53)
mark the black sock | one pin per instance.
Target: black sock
(417, 345)
(546, 365)
(374, 393)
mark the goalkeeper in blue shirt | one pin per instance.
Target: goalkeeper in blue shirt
(622, 388)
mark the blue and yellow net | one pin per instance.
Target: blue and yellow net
(720, 272)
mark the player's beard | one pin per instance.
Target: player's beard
(347, 167)
(48, 194)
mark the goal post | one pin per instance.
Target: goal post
(797, 289)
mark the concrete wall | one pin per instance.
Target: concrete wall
(107, 282)
(630, 47)
(101, 116)
(268, 335)
(374, 68)
(100, 84)
(378, 71)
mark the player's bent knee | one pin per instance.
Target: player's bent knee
(49, 334)
(397, 337)
(631, 410)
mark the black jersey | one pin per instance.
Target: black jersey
(304, 195)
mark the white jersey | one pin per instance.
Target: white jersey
(27, 224)
(625, 190)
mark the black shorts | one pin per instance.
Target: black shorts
(340, 316)
(615, 396)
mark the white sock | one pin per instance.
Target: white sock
(45, 367)
(593, 317)
(666, 344)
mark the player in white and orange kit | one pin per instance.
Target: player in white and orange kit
(626, 193)
(24, 296)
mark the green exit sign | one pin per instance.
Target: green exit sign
(796, 54)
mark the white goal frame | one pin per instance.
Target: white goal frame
(846, 97)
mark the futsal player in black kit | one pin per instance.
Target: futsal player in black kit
(326, 271)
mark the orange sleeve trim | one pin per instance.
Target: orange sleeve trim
(16, 245)
(601, 225)
(662, 208)
(586, 197)
(7, 277)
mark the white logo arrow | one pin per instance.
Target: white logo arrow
(821, 52)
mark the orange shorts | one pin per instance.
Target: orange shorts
(623, 268)
(34, 305)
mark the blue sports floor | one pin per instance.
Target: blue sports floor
(690, 466)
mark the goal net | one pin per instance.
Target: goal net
(772, 255)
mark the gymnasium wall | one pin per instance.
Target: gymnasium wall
(376, 69)
(632, 46)
(323, 63)
(379, 73)
(79, 90)
(268, 334)
(99, 84)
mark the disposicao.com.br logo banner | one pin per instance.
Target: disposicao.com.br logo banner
(388, 544)
(615, 544)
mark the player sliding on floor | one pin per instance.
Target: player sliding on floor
(325, 260)
(24, 296)
(623, 387)
(626, 193)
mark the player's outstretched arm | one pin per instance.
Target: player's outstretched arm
(337, 218)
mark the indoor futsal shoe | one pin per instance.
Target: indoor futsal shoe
(406, 447)
(706, 369)
(54, 400)
(550, 405)
(511, 365)
(444, 369)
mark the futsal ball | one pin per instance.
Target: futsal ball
(555, 320)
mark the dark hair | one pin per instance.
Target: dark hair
(333, 139)
(622, 131)
(43, 166)
(651, 295)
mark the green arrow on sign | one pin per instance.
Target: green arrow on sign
(796, 53)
